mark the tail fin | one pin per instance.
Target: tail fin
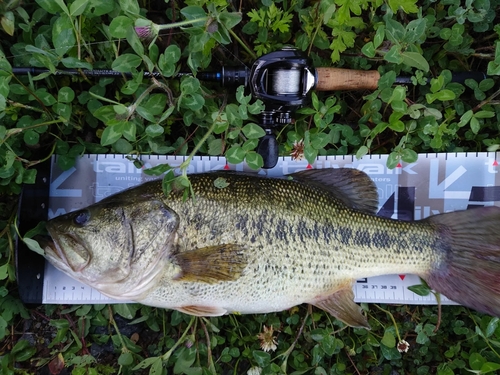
(470, 273)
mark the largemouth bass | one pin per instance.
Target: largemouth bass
(249, 244)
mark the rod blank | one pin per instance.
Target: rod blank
(80, 72)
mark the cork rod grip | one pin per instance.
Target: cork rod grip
(332, 79)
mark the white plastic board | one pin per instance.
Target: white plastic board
(435, 183)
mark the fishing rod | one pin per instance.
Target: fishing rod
(283, 80)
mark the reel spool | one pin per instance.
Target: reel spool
(284, 82)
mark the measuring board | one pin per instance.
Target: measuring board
(434, 184)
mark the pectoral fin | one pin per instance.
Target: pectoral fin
(341, 305)
(211, 264)
(202, 310)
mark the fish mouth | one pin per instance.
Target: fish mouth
(54, 251)
(54, 254)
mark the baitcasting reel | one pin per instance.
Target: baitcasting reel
(283, 80)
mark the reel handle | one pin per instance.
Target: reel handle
(333, 79)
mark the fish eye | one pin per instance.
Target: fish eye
(81, 218)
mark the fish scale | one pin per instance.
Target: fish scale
(249, 244)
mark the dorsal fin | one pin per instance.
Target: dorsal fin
(351, 186)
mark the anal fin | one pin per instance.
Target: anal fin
(341, 305)
(211, 264)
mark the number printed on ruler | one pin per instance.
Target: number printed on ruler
(76, 293)
(392, 289)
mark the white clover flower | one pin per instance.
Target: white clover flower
(403, 346)
(267, 340)
(297, 152)
(254, 371)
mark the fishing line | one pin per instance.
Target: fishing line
(229, 76)
(284, 81)
(92, 44)
(233, 55)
